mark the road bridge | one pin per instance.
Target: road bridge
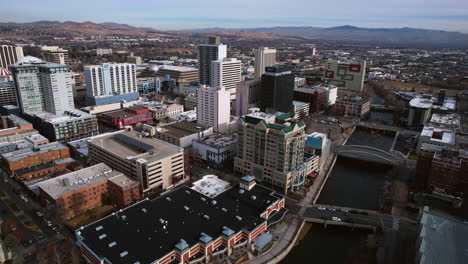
(368, 153)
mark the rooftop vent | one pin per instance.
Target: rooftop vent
(187, 192)
(206, 217)
(123, 254)
(111, 244)
(239, 218)
(102, 236)
(224, 210)
(254, 197)
(169, 199)
(99, 228)
(213, 202)
(241, 191)
(186, 207)
(144, 210)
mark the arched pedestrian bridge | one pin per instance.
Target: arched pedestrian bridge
(368, 153)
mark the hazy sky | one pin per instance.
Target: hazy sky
(184, 14)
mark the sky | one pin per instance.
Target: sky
(449, 15)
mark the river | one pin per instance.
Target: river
(333, 245)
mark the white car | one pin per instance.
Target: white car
(337, 219)
(49, 223)
(344, 210)
(331, 209)
(321, 208)
(40, 214)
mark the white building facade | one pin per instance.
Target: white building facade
(43, 86)
(9, 55)
(214, 108)
(226, 73)
(110, 79)
(264, 57)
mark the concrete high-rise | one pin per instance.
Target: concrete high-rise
(277, 89)
(264, 57)
(214, 51)
(270, 146)
(226, 73)
(55, 54)
(42, 86)
(347, 75)
(9, 55)
(110, 83)
(214, 108)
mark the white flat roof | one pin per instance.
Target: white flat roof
(210, 185)
(448, 136)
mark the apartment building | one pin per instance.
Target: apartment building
(79, 191)
(264, 57)
(213, 109)
(207, 53)
(226, 73)
(271, 148)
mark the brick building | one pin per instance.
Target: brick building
(352, 106)
(37, 161)
(76, 192)
(185, 225)
(442, 168)
(128, 116)
(315, 97)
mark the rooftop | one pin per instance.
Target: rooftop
(439, 135)
(178, 68)
(443, 239)
(210, 185)
(181, 129)
(17, 120)
(126, 145)
(68, 116)
(180, 218)
(71, 182)
(449, 120)
(33, 151)
(218, 140)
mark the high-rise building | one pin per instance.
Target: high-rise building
(271, 148)
(110, 83)
(277, 88)
(214, 108)
(247, 96)
(55, 54)
(42, 86)
(214, 51)
(226, 73)
(9, 55)
(264, 57)
(347, 75)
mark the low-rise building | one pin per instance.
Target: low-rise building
(436, 136)
(76, 192)
(216, 149)
(155, 164)
(14, 128)
(187, 116)
(182, 133)
(127, 116)
(69, 126)
(184, 226)
(148, 85)
(352, 106)
(36, 161)
(301, 110)
(318, 144)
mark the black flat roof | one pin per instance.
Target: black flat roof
(150, 229)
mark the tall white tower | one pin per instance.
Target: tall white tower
(226, 73)
(213, 108)
(110, 79)
(264, 57)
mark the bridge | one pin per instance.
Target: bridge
(368, 153)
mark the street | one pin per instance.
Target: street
(24, 230)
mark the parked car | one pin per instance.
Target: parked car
(337, 219)
(322, 208)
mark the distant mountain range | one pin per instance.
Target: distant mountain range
(389, 36)
(78, 28)
(406, 37)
